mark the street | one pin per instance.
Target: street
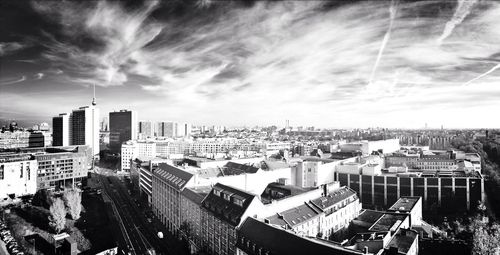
(139, 234)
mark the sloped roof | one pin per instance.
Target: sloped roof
(227, 210)
(256, 237)
(172, 175)
(333, 198)
(294, 216)
(233, 168)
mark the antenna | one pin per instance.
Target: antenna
(93, 99)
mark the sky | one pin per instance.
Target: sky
(315, 63)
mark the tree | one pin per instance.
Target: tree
(73, 200)
(57, 216)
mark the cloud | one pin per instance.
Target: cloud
(10, 47)
(278, 58)
(115, 33)
(463, 9)
(10, 81)
(39, 76)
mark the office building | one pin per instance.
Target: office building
(122, 128)
(61, 130)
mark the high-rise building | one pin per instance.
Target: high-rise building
(83, 127)
(146, 128)
(122, 127)
(60, 126)
(166, 129)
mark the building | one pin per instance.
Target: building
(81, 127)
(17, 175)
(313, 172)
(25, 139)
(61, 130)
(166, 129)
(224, 209)
(455, 192)
(85, 127)
(367, 147)
(321, 216)
(259, 238)
(61, 167)
(122, 128)
(24, 171)
(167, 184)
(134, 149)
(409, 205)
(146, 129)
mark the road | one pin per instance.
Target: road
(140, 234)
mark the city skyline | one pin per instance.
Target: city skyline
(322, 63)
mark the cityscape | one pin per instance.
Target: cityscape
(216, 127)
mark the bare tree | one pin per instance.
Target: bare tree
(73, 199)
(57, 216)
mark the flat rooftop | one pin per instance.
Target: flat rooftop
(404, 204)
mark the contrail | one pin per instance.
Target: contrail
(482, 75)
(392, 10)
(463, 9)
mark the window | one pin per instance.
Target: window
(1, 172)
(21, 171)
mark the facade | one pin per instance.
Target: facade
(321, 216)
(167, 184)
(85, 127)
(456, 192)
(223, 210)
(61, 130)
(61, 168)
(30, 169)
(122, 128)
(17, 175)
(25, 139)
(134, 149)
(146, 129)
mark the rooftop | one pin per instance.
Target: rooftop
(173, 175)
(227, 203)
(293, 217)
(333, 198)
(271, 240)
(276, 191)
(403, 240)
(387, 222)
(404, 204)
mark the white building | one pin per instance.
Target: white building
(18, 176)
(367, 147)
(133, 149)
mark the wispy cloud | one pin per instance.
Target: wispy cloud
(9, 81)
(274, 59)
(10, 47)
